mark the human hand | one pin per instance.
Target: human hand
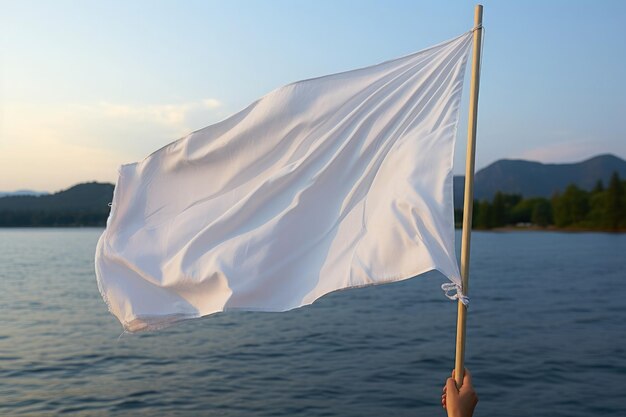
(459, 403)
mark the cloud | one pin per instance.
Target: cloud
(211, 103)
(174, 115)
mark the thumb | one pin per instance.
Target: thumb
(467, 379)
(451, 390)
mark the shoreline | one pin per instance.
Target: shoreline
(504, 229)
(547, 229)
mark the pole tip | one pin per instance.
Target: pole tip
(478, 14)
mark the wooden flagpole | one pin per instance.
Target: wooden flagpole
(469, 194)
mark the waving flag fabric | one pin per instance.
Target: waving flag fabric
(329, 183)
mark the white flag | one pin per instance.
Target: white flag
(329, 183)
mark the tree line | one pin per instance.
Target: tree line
(81, 205)
(602, 208)
(57, 218)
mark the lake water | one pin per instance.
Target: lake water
(546, 337)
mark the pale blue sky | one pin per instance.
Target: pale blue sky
(88, 85)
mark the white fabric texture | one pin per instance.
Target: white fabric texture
(329, 183)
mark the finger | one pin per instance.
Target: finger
(451, 388)
(467, 378)
(444, 389)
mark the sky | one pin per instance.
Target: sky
(86, 86)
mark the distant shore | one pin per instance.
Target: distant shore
(495, 229)
(548, 229)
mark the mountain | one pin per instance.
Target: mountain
(22, 192)
(535, 179)
(81, 205)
